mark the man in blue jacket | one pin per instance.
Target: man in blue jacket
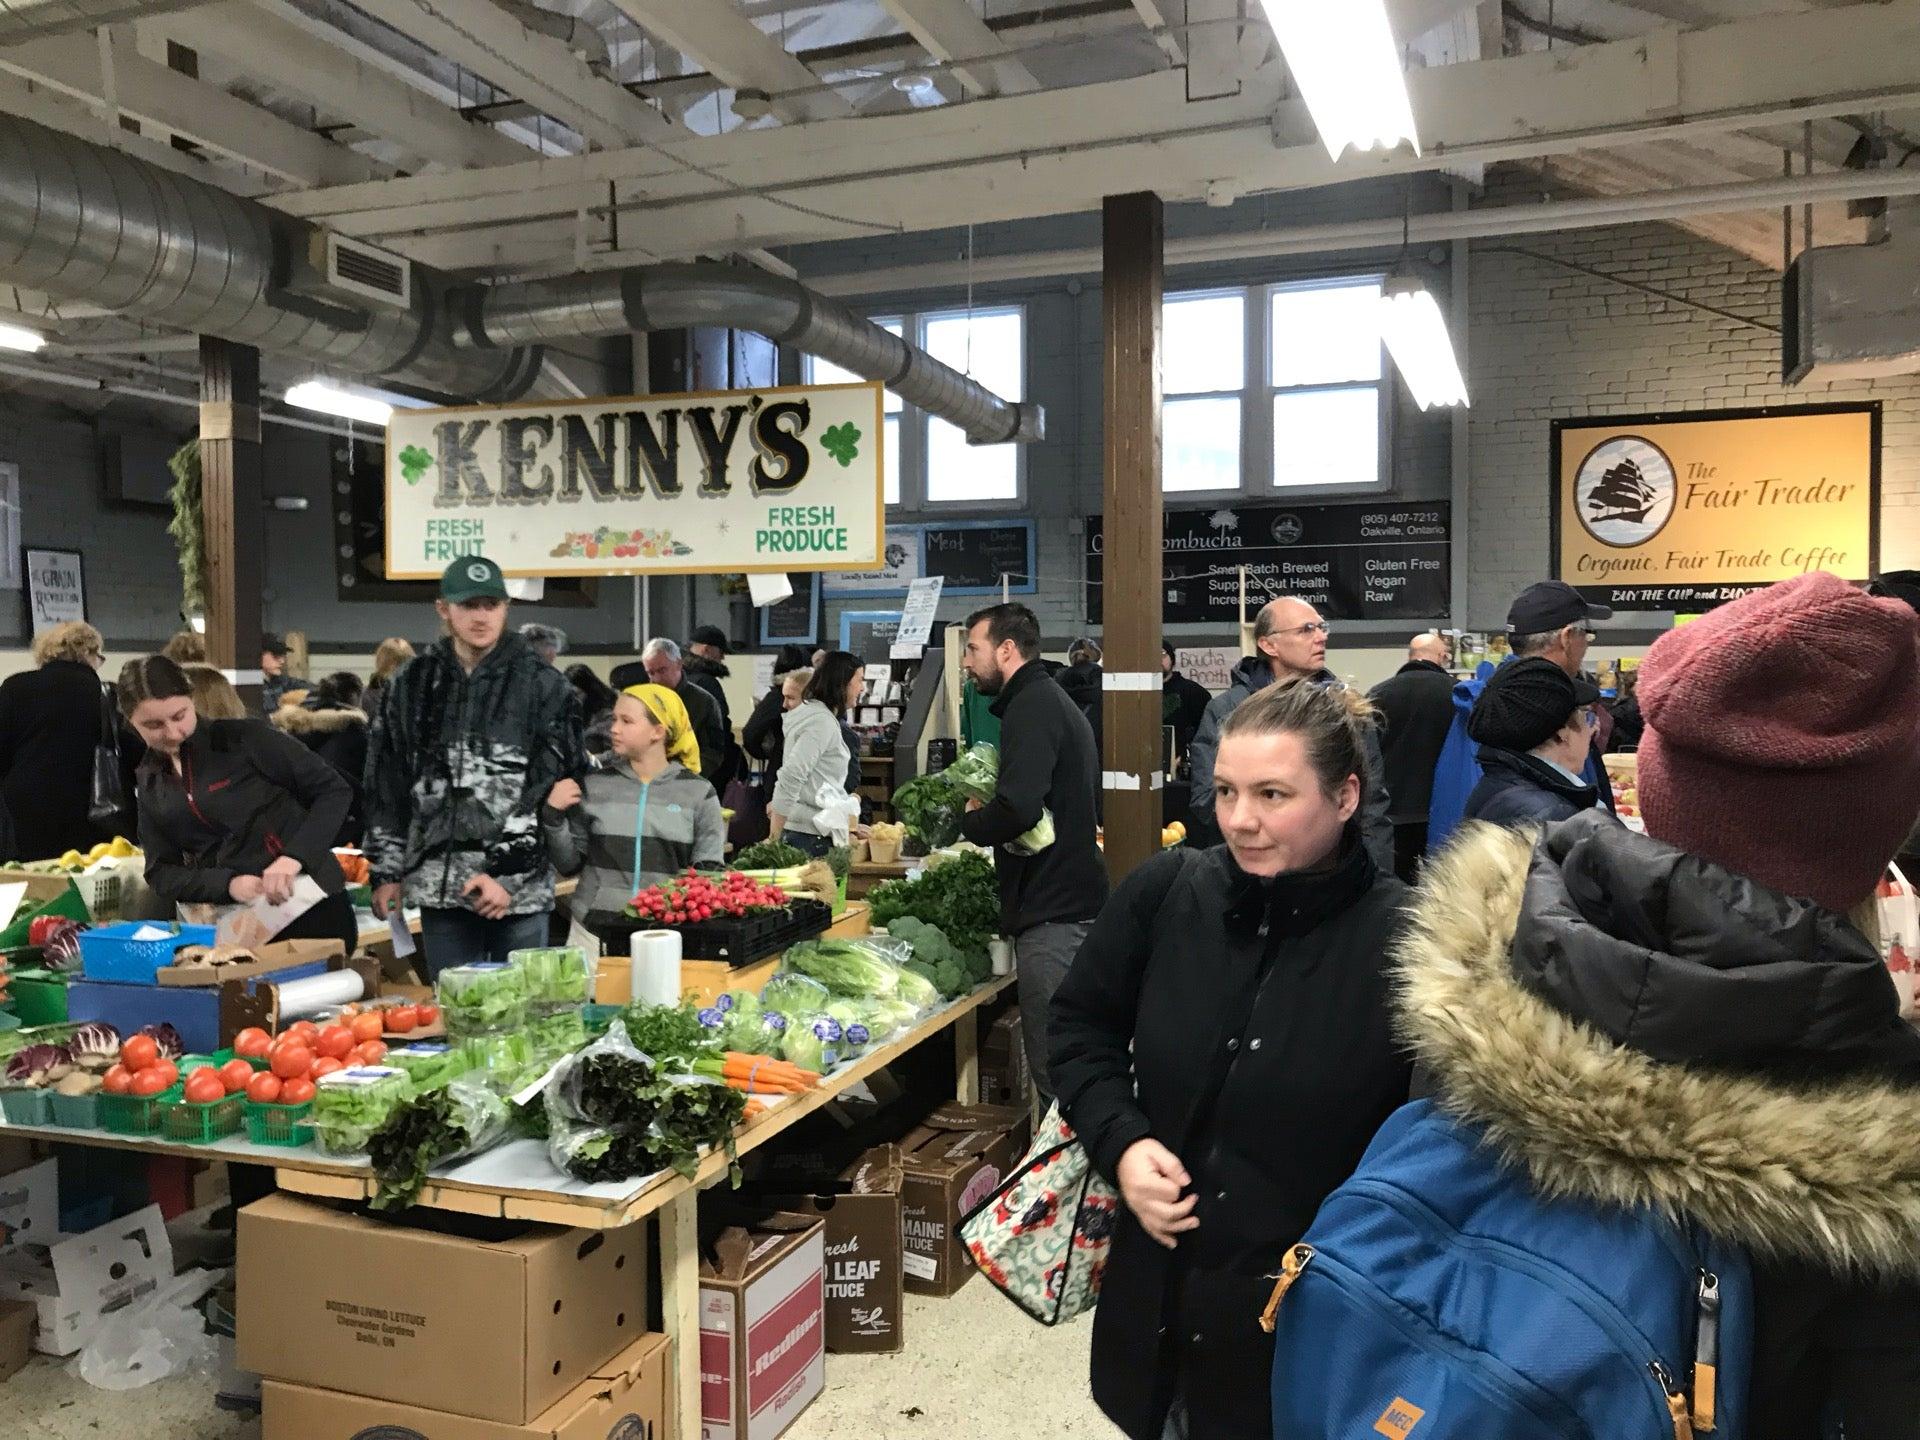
(1549, 621)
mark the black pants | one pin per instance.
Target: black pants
(815, 845)
(1409, 849)
(331, 919)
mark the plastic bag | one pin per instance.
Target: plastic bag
(596, 1153)
(976, 775)
(600, 1085)
(756, 1032)
(792, 993)
(457, 1120)
(836, 812)
(813, 1042)
(158, 1336)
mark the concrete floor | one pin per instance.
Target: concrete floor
(974, 1367)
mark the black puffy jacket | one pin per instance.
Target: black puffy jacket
(1738, 1058)
(244, 795)
(1245, 1025)
(1519, 789)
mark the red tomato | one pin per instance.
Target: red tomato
(264, 1088)
(150, 1081)
(291, 1061)
(326, 1065)
(304, 1031)
(368, 1027)
(425, 1015)
(235, 1075)
(139, 1052)
(334, 1041)
(252, 1043)
(402, 1018)
(296, 1092)
(116, 1080)
(371, 1053)
(204, 1086)
(167, 1069)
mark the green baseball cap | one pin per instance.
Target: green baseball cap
(472, 577)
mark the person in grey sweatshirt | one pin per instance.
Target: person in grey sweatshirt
(815, 752)
(639, 818)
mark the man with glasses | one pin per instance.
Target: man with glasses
(1549, 621)
(1291, 641)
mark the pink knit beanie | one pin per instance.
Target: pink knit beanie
(1783, 737)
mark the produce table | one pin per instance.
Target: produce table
(515, 1181)
(868, 873)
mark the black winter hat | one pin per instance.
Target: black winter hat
(1526, 703)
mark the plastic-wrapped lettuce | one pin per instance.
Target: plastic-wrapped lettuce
(555, 975)
(553, 1035)
(813, 1042)
(451, 1123)
(349, 1105)
(489, 998)
(856, 1018)
(792, 993)
(429, 1063)
(763, 1032)
(976, 774)
(598, 1152)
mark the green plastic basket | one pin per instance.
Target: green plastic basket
(203, 1123)
(133, 1114)
(27, 1107)
(76, 1112)
(279, 1124)
(599, 1018)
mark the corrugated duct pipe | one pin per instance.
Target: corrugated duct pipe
(83, 222)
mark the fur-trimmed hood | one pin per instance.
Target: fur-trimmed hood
(299, 720)
(1712, 1049)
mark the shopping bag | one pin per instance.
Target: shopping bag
(1042, 1237)
(1900, 937)
(107, 806)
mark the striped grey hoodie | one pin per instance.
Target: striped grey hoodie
(677, 818)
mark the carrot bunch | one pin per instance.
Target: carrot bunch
(758, 1072)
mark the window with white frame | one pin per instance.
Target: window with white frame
(928, 460)
(1273, 389)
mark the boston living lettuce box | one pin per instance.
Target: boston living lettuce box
(736, 481)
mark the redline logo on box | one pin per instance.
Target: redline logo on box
(796, 1322)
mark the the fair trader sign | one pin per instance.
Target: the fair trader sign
(741, 480)
(1684, 511)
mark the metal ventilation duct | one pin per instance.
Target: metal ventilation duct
(82, 222)
(35, 19)
(1852, 312)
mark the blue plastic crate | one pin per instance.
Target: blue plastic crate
(108, 952)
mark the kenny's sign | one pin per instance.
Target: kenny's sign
(740, 480)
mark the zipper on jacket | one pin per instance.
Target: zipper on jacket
(1481, 1369)
(460, 748)
(1298, 1258)
(186, 765)
(1706, 1351)
(639, 834)
(1676, 1402)
(1585, 1298)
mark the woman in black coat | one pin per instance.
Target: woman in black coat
(233, 811)
(763, 737)
(49, 726)
(331, 723)
(1222, 1046)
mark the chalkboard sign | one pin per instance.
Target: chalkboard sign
(796, 619)
(869, 633)
(972, 555)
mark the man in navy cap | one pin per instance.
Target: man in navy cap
(1551, 621)
(470, 737)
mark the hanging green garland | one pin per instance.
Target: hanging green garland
(188, 528)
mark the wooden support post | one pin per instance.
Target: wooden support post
(680, 1311)
(966, 1059)
(231, 506)
(1133, 235)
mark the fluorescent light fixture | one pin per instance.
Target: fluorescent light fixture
(1416, 336)
(1343, 57)
(18, 337)
(350, 402)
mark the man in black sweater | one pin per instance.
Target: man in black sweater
(1047, 762)
(1416, 708)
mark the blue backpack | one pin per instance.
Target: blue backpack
(1437, 1297)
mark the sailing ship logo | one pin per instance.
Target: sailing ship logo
(1624, 490)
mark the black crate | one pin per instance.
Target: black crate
(737, 941)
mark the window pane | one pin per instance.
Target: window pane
(1200, 445)
(892, 443)
(1204, 340)
(1326, 437)
(825, 372)
(995, 358)
(959, 471)
(1325, 334)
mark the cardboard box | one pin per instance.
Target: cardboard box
(625, 1399)
(1005, 1078)
(762, 1328)
(487, 1319)
(864, 1280)
(16, 1337)
(256, 1002)
(30, 1206)
(952, 1161)
(86, 1276)
(267, 960)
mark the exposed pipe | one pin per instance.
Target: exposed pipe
(1383, 234)
(673, 297)
(79, 221)
(36, 19)
(570, 30)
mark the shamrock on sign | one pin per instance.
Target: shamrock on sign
(414, 464)
(842, 442)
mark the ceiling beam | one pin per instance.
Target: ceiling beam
(1059, 151)
(293, 59)
(203, 113)
(951, 32)
(730, 45)
(1164, 18)
(538, 68)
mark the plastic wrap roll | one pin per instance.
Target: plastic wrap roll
(655, 968)
(319, 992)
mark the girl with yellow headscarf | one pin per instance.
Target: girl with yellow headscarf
(643, 817)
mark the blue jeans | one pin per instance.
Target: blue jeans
(815, 845)
(460, 937)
